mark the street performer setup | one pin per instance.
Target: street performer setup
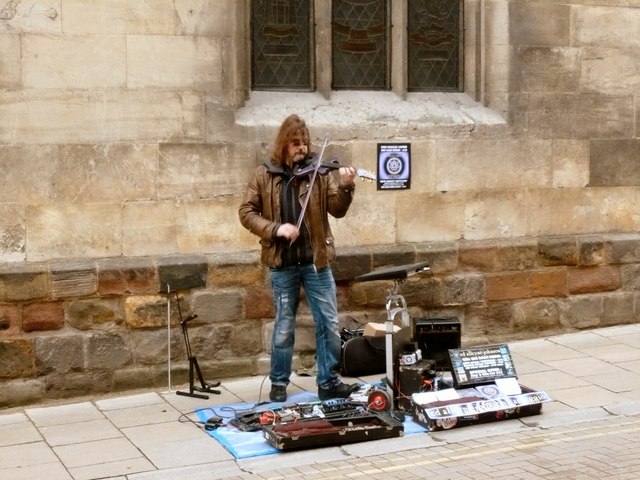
(467, 386)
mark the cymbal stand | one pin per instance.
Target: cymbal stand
(194, 367)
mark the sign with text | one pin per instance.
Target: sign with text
(394, 166)
(478, 365)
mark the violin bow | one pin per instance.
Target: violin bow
(311, 182)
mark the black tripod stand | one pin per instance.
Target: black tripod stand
(194, 368)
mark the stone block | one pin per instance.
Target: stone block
(59, 354)
(119, 276)
(13, 233)
(592, 250)
(95, 313)
(495, 214)
(624, 247)
(24, 281)
(582, 312)
(44, 116)
(258, 303)
(212, 341)
(10, 68)
(21, 392)
(614, 162)
(220, 306)
(36, 17)
(535, 315)
(549, 282)
(553, 251)
(618, 309)
(480, 255)
(517, 254)
(210, 225)
(630, 275)
(507, 286)
(547, 69)
(29, 174)
(423, 217)
(16, 358)
(107, 351)
(441, 256)
(210, 19)
(464, 289)
(593, 279)
(149, 228)
(182, 272)
(369, 219)
(609, 71)
(605, 26)
(220, 122)
(563, 211)
(74, 62)
(493, 164)
(246, 271)
(77, 384)
(383, 256)
(149, 347)
(135, 378)
(580, 115)
(351, 262)
(488, 319)
(43, 316)
(149, 311)
(202, 170)
(104, 173)
(535, 23)
(191, 63)
(246, 339)
(73, 279)
(10, 320)
(571, 163)
(73, 230)
(120, 17)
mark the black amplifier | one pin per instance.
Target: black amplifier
(412, 379)
(435, 336)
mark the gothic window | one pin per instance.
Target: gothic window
(359, 55)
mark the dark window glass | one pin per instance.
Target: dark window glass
(434, 45)
(281, 45)
(359, 44)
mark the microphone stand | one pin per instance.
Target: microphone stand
(194, 368)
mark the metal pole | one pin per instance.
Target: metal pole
(169, 336)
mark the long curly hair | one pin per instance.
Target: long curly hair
(293, 126)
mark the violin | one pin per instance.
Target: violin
(308, 166)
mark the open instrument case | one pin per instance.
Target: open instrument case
(319, 424)
(483, 388)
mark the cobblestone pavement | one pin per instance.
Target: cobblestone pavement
(600, 449)
(590, 429)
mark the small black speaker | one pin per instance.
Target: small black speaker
(435, 336)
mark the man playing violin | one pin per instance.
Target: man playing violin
(274, 204)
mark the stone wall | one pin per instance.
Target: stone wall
(128, 131)
(77, 328)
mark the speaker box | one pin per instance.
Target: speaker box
(435, 336)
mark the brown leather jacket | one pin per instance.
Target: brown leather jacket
(260, 213)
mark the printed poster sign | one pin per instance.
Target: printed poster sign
(481, 364)
(394, 166)
(483, 406)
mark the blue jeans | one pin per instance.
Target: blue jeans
(320, 292)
